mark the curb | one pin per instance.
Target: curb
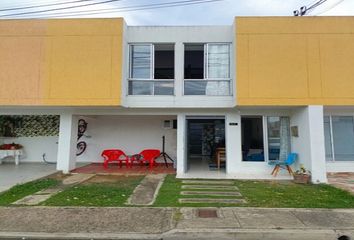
(323, 234)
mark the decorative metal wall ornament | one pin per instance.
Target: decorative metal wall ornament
(81, 146)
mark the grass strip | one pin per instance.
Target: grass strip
(20, 191)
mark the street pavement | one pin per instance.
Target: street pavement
(174, 223)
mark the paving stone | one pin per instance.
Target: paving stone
(146, 192)
(100, 220)
(211, 200)
(32, 199)
(211, 187)
(267, 218)
(326, 218)
(51, 191)
(207, 182)
(344, 181)
(211, 193)
(77, 178)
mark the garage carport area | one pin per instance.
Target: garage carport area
(33, 140)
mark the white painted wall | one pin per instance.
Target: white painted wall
(233, 142)
(310, 143)
(301, 144)
(340, 166)
(179, 35)
(128, 133)
(35, 147)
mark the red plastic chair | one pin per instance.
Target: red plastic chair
(114, 155)
(146, 156)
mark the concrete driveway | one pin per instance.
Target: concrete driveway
(343, 180)
(10, 174)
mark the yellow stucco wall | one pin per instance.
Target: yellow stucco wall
(294, 60)
(66, 62)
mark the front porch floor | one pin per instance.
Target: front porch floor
(11, 174)
(97, 168)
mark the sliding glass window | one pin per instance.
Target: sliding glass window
(278, 138)
(207, 69)
(339, 138)
(151, 69)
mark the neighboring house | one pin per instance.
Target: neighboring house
(259, 88)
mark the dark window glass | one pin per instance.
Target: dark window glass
(194, 61)
(252, 139)
(164, 61)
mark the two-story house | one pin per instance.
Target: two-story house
(259, 89)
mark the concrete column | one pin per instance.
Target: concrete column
(317, 144)
(181, 144)
(233, 142)
(310, 145)
(179, 71)
(67, 142)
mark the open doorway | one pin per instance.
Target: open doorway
(206, 144)
(252, 139)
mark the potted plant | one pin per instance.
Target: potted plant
(302, 175)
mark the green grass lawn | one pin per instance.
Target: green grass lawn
(19, 191)
(278, 194)
(113, 193)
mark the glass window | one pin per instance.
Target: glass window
(164, 61)
(195, 87)
(194, 61)
(218, 61)
(140, 62)
(209, 63)
(140, 87)
(278, 138)
(273, 138)
(343, 138)
(252, 139)
(163, 88)
(328, 140)
(209, 88)
(149, 77)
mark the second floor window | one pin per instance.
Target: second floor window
(151, 69)
(207, 69)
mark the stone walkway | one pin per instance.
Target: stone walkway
(210, 191)
(344, 181)
(45, 194)
(145, 193)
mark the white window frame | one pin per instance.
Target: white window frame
(205, 70)
(152, 69)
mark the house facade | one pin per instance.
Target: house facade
(253, 91)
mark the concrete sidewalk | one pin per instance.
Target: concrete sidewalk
(173, 223)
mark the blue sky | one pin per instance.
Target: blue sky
(215, 13)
